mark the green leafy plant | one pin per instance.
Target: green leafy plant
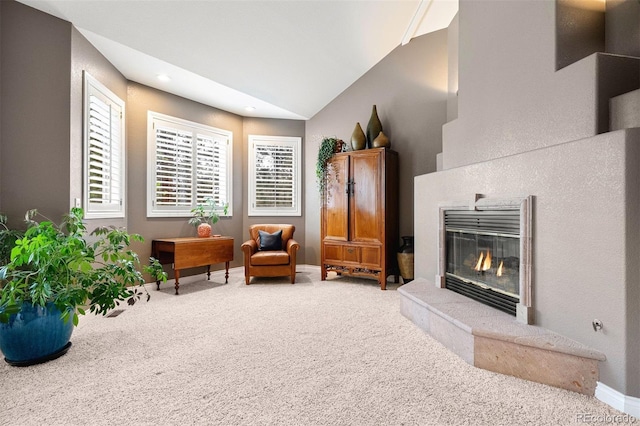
(8, 239)
(325, 152)
(56, 264)
(206, 213)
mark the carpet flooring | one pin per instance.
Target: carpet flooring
(336, 352)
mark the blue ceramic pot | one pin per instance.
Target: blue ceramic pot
(36, 334)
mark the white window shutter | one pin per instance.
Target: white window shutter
(211, 180)
(188, 163)
(274, 177)
(104, 152)
(174, 167)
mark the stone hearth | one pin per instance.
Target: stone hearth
(495, 341)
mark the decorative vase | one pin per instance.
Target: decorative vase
(405, 259)
(358, 139)
(374, 127)
(204, 230)
(34, 335)
(381, 141)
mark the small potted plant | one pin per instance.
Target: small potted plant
(205, 215)
(56, 272)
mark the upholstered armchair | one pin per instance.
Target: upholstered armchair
(271, 252)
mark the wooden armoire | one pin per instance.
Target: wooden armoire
(360, 215)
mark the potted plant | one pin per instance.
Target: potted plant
(205, 215)
(56, 272)
(328, 147)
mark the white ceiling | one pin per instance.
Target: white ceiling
(286, 58)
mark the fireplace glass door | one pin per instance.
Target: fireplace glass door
(482, 256)
(488, 260)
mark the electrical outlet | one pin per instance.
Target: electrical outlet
(77, 203)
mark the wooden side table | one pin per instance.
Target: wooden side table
(191, 252)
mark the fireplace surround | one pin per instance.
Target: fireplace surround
(485, 252)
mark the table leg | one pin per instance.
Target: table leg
(226, 274)
(208, 272)
(176, 273)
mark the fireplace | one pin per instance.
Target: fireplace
(483, 256)
(485, 253)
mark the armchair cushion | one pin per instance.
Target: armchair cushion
(264, 258)
(269, 242)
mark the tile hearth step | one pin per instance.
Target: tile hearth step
(495, 341)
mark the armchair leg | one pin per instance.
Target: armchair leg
(247, 278)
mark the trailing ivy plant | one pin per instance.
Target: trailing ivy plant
(325, 152)
(56, 264)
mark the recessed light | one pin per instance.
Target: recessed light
(164, 77)
(249, 108)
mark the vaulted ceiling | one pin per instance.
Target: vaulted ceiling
(286, 59)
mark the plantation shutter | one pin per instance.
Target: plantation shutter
(104, 152)
(174, 167)
(211, 179)
(188, 164)
(275, 180)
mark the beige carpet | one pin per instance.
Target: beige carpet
(315, 353)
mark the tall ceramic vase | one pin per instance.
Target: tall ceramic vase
(405, 259)
(358, 139)
(374, 127)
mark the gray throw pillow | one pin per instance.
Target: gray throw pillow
(270, 241)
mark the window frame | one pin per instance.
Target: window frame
(196, 129)
(296, 143)
(113, 210)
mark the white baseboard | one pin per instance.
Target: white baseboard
(627, 404)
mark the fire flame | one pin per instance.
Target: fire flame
(499, 271)
(479, 264)
(484, 262)
(486, 265)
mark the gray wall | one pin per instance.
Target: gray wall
(36, 65)
(514, 86)
(86, 57)
(141, 99)
(452, 47)
(585, 212)
(524, 128)
(622, 29)
(409, 87)
(41, 165)
(271, 127)
(510, 46)
(632, 276)
(0, 105)
(580, 30)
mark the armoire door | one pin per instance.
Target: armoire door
(366, 204)
(337, 200)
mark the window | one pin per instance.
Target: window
(274, 176)
(104, 150)
(187, 163)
